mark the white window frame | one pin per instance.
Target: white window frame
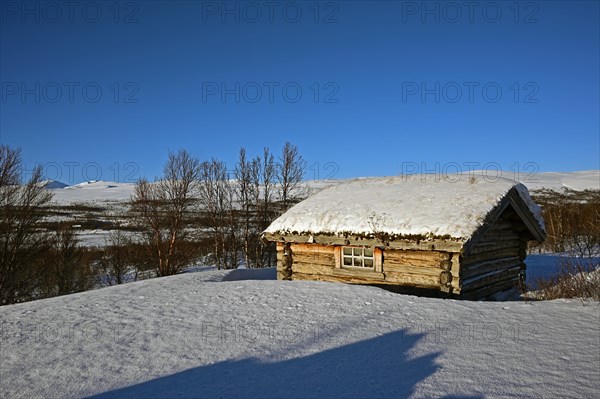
(357, 253)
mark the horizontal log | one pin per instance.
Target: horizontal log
(417, 255)
(492, 238)
(359, 280)
(337, 278)
(489, 255)
(412, 279)
(307, 268)
(389, 267)
(309, 248)
(306, 249)
(359, 272)
(405, 275)
(489, 290)
(316, 253)
(474, 269)
(316, 258)
(498, 243)
(513, 242)
(496, 246)
(501, 224)
(415, 258)
(489, 278)
(311, 268)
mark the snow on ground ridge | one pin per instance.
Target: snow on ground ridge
(198, 335)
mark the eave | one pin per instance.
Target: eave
(422, 245)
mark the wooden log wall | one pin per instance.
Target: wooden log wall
(494, 263)
(421, 269)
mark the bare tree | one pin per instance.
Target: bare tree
(217, 195)
(212, 200)
(22, 242)
(116, 260)
(243, 178)
(163, 208)
(574, 227)
(232, 247)
(67, 267)
(255, 245)
(268, 175)
(290, 173)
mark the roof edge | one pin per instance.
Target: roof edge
(406, 244)
(522, 209)
(514, 199)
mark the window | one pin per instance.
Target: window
(358, 257)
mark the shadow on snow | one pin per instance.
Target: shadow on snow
(375, 368)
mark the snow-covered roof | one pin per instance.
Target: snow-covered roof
(427, 206)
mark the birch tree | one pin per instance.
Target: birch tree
(22, 241)
(290, 173)
(163, 209)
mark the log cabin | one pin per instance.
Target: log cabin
(457, 236)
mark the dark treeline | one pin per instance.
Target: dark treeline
(197, 212)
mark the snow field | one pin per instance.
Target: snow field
(210, 334)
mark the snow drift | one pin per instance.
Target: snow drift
(198, 335)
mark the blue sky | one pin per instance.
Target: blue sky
(94, 90)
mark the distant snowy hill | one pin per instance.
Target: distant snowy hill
(111, 191)
(53, 184)
(94, 191)
(577, 181)
(221, 335)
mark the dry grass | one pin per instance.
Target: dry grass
(573, 227)
(576, 278)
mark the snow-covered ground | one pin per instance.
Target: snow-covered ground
(243, 334)
(93, 238)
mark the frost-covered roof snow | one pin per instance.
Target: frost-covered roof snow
(431, 206)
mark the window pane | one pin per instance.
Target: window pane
(369, 252)
(368, 262)
(357, 262)
(347, 251)
(357, 251)
(347, 261)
